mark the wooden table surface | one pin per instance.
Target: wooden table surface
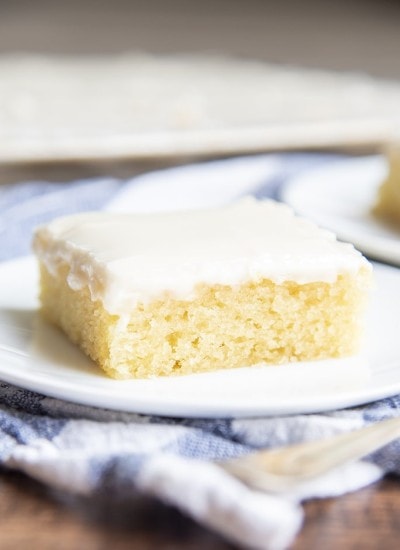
(33, 517)
(358, 35)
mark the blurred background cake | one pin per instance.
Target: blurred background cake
(175, 80)
(387, 207)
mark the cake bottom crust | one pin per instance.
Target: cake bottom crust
(221, 327)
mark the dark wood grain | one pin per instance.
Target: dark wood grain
(32, 516)
(367, 520)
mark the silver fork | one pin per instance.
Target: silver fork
(282, 469)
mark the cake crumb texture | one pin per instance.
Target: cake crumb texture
(219, 327)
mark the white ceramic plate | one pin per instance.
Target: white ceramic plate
(38, 357)
(339, 196)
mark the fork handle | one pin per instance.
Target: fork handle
(312, 459)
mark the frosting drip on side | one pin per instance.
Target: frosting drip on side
(125, 259)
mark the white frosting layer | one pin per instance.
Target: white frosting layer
(130, 258)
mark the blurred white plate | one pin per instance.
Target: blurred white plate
(38, 357)
(145, 107)
(339, 197)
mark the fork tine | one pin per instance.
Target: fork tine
(287, 466)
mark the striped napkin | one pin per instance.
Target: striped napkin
(89, 451)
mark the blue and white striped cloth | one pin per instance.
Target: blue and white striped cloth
(89, 451)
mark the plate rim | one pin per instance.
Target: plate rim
(376, 247)
(75, 393)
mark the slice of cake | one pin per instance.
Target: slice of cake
(184, 292)
(387, 207)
